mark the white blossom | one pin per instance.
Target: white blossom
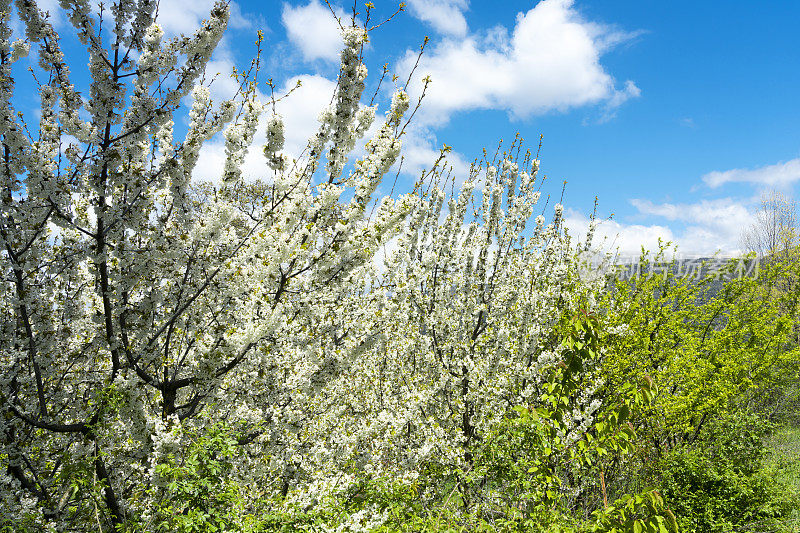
(144, 307)
(19, 49)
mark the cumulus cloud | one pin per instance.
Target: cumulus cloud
(313, 29)
(420, 151)
(703, 228)
(549, 61)
(710, 224)
(623, 239)
(52, 8)
(777, 175)
(301, 109)
(223, 86)
(446, 16)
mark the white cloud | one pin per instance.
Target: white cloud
(210, 161)
(777, 175)
(52, 8)
(550, 61)
(720, 212)
(710, 224)
(625, 239)
(313, 30)
(708, 227)
(301, 109)
(607, 37)
(446, 16)
(224, 87)
(618, 98)
(420, 151)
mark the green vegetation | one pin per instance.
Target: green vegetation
(782, 461)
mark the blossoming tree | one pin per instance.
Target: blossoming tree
(459, 318)
(145, 309)
(138, 304)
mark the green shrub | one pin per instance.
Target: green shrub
(195, 491)
(718, 483)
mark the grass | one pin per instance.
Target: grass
(783, 458)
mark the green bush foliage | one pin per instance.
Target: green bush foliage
(194, 490)
(719, 483)
(724, 357)
(711, 346)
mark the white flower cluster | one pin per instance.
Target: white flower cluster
(143, 307)
(343, 132)
(276, 138)
(19, 50)
(150, 58)
(461, 313)
(238, 138)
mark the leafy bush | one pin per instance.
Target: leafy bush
(712, 346)
(719, 484)
(194, 489)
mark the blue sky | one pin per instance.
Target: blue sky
(677, 115)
